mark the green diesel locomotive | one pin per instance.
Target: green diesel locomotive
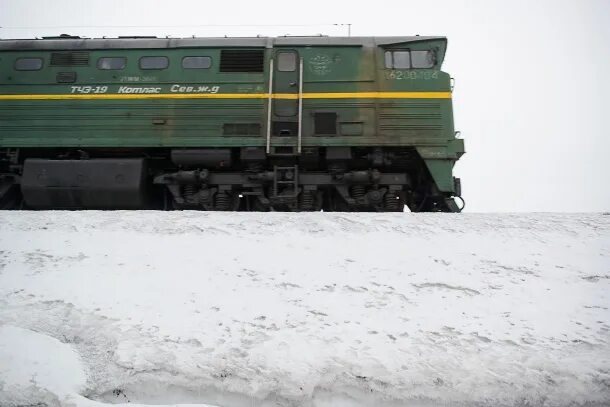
(253, 124)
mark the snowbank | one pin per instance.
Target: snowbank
(271, 309)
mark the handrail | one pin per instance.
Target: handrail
(269, 104)
(300, 130)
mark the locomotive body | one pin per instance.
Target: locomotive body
(286, 123)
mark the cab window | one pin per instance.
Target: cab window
(405, 59)
(397, 59)
(422, 59)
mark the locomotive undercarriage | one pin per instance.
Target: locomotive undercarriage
(286, 189)
(220, 179)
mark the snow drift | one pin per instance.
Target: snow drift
(309, 309)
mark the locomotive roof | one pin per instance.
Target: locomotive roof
(73, 43)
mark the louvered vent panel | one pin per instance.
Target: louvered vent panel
(242, 60)
(241, 129)
(77, 58)
(66, 77)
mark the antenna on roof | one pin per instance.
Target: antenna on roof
(349, 28)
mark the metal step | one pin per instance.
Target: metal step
(285, 176)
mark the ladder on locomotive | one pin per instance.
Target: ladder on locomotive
(285, 104)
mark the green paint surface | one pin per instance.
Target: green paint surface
(426, 124)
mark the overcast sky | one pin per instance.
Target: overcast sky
(532, 77)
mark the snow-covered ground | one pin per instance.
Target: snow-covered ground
(271, 309)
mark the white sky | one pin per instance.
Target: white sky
(532, 77)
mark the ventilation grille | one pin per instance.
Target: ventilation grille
(241, 129)
(66, 77)
(242, 60)
(77, 58)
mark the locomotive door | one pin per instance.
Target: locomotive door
(285, 98)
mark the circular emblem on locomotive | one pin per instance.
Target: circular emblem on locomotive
(320, 64)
